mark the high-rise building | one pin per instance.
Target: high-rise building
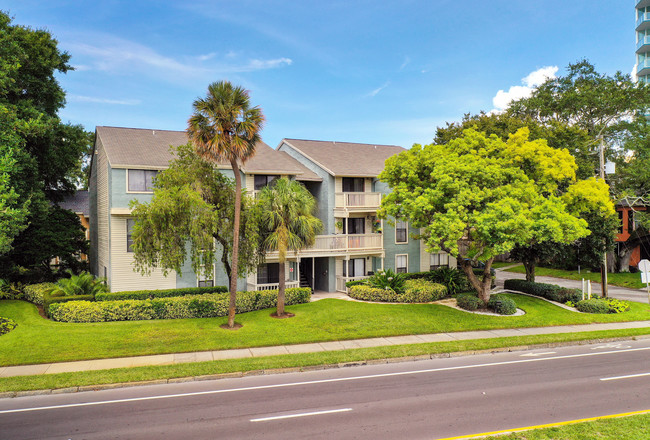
(643, 40)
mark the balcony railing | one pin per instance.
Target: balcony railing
(340, 244)
(643, 41)
(358, 201)
(340, 282)
(271, 286)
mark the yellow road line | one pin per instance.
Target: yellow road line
(548, 425)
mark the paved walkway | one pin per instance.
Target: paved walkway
(180, 358)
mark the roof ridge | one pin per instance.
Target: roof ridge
(144, 129)
(345, 142)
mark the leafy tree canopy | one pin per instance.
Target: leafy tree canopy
(477, 196)
(193, 203)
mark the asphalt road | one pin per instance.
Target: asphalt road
(429, 399)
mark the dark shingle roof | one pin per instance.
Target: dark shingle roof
(138, 147)
(78, 202)
(345, 158)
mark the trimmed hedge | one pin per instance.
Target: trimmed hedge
(367, 293)
(468, 301)
(602, 305)
(189, 306)
(167, 293)
(548, 291)
(421, 291)
(48, 300)
(6, 325)
(415, 291)
(502, 305)
(34, 293)
(10, 290)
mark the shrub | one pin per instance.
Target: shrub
(367, 293)
(34, 292)
(6, 325)
(10, 290)
(502, 305)
(356, 283)
(593, 306)
(468, 301)
(421, 291)
(166, 293)
(57, 297)
(83, 284)
(188, 306)
(548, 291)
(617, 306)
(453, 279)
(387, 280)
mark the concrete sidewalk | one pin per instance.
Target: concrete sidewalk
(180, 358)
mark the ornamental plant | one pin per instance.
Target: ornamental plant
(387, 280)
(82, 284)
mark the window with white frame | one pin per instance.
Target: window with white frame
(354, 267)
(352, 184)
(438, 260)
(129, 230)
(268, 273)
(141, 180)
(401, 231)
(262, 180)
(401, 263)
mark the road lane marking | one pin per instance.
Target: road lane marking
(289, 416)
(548, 425)
(618, 345)
(320, 381)
(625, 377)
(538, 354)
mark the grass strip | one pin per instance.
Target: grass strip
(36, 340)
(632, 427)
(137, 374)
(623, 279)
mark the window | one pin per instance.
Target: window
(355, 267)
(206, 279)
(141, 180)
(620, 222)
(262, 180)
(438, 260)
(401, 232)
(401, 263)
(353, 184)
(129, 229)
(268, 273)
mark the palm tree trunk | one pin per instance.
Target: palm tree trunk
(235, 245)
(279, 311)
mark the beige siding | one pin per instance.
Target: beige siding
(368, 185)
(250, 183)
(424, 258)
(122, 275)
(338, 184)
(339, 267)
(103, 258)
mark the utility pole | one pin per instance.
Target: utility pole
(603, 266)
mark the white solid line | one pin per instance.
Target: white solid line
(321, 381)
(289, 416)
(625, 377)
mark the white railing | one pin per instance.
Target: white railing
(272, 286)
(340, 282)
(340, 244)
(358, 200)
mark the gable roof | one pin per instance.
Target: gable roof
(345, 158)
(145, 148)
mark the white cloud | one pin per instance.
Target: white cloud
(378, 89)
(267, 64)
(407, 60)
(207, 56)
(503, 99)
(80, 98)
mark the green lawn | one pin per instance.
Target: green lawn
(500, 264)
(636, 427)
(631, 280)
(37, 340)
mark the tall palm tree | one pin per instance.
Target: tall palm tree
(225, 128)
(288, 217)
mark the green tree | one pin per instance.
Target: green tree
(49, 153)
(193, 203)
(225, 128)
(477, 197)
(288, 217)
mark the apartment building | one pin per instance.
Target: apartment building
(643, 40)
(341, 176)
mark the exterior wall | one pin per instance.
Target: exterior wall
(424, 258)
(92, 223)
(100, 233)
(412, 248)
(120, 198)
(122, 276)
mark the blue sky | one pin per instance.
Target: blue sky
(384, 72)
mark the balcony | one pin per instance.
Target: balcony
(340, 282)
(340, 245)
(346, 202)
(643, 21)
(643, 41)
(270, 286)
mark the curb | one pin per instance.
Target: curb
(239, 374)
